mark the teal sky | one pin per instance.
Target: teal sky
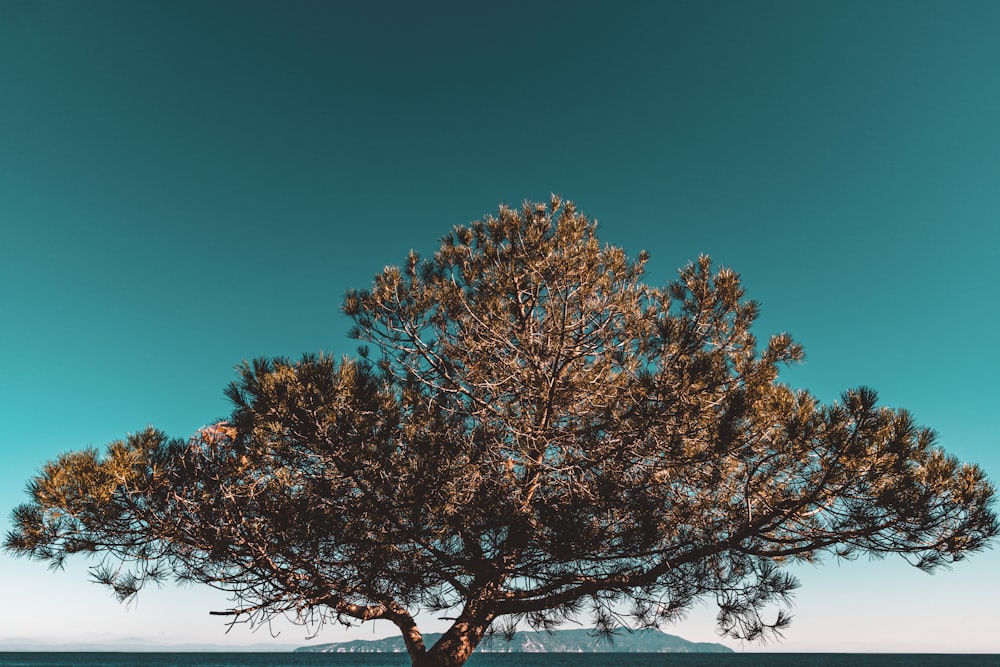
(184, 185)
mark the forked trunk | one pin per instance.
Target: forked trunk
(456, 645)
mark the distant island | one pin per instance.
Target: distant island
(560, 641)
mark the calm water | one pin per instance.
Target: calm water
(498, 660)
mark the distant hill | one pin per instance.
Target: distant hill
(135, 645)
(560, 641)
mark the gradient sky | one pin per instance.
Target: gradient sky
(185, 185)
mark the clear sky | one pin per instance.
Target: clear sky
(188, 184)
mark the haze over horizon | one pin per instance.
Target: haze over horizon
(184, 186)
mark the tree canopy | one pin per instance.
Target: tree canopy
(528, 434)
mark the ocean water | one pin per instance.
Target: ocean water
(40, 659)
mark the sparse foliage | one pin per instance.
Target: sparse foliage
(532, 434)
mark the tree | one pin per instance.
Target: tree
(537, 436)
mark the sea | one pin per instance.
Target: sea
(45, 659)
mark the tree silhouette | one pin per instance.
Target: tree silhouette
(530, 434)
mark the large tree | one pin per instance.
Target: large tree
(530, 434)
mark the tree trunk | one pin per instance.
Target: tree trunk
(457, 644)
